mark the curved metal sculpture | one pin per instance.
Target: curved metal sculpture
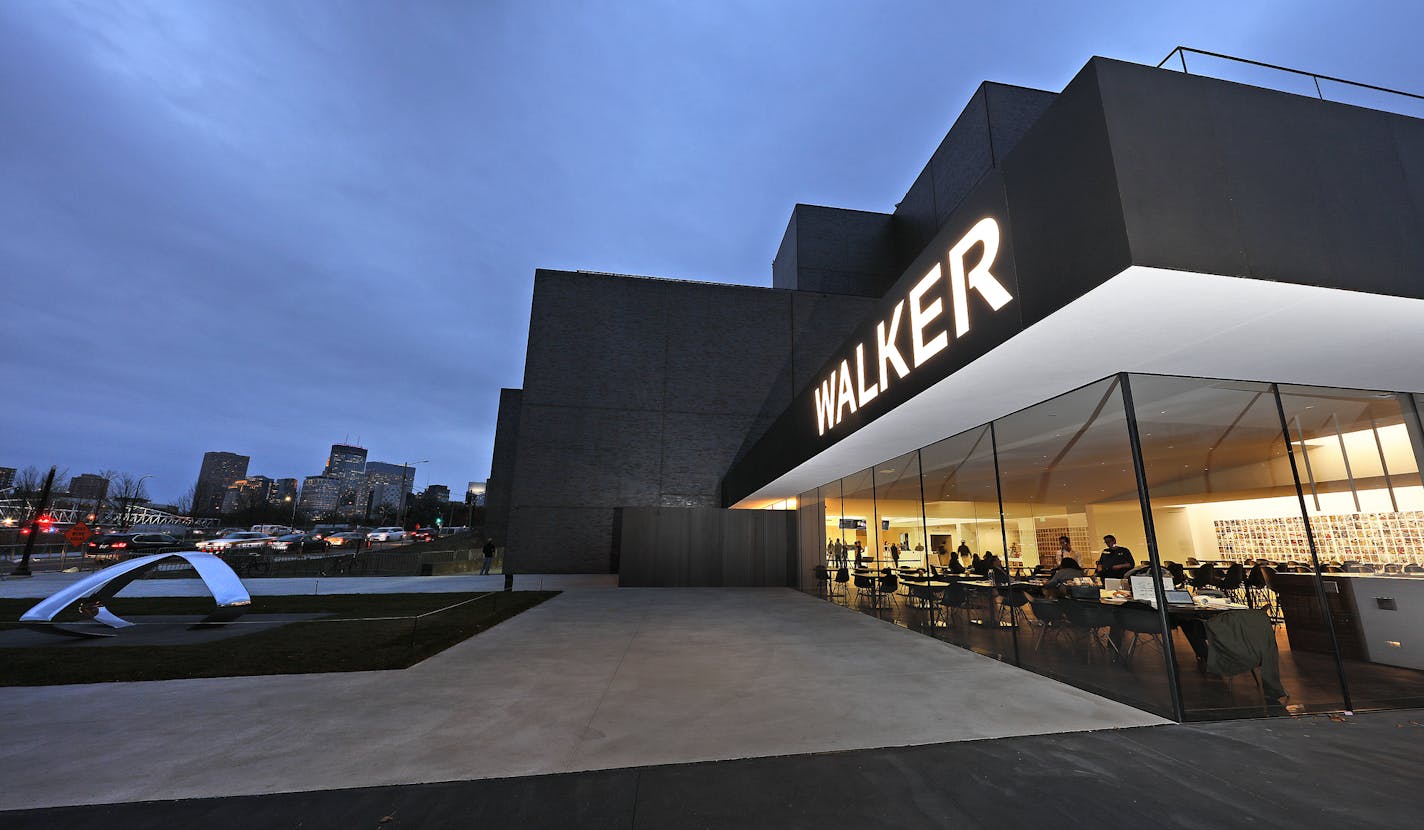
(101, 586)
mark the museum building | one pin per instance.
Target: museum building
(1172, 309)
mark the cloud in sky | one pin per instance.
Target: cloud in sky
(270, 226)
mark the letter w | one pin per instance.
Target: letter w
(826, 404)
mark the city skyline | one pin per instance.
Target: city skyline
(253, 469)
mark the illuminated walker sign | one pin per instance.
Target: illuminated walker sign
(842, 392)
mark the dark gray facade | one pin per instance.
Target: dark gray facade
(705, 547)
(640, 392)
(506, 436)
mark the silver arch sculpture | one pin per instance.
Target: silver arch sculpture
(99, 587)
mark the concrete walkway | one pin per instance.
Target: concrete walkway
(593, 679)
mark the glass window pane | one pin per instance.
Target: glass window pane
(899, 513)
(1065, 469)
(1223, 498)
(1356, 456)
(810, 533)
(857, 516)
(961, 503)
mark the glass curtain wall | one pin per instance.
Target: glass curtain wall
(1303, 543)
(1065, 470)
(1359, 477)
(1224, 499)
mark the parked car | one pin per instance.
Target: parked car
(347, 539)
(386, 534)
(235, 541)
(300, 542)
(423, 534)
(118, 545)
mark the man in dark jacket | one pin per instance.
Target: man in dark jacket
(489, 556)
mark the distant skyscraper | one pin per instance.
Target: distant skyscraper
(284, 491)
(389, 483)
(7, 478)
(320, 496)
(246, 493)
(438, 492)
(347, 465)
(219, 470)
(87, 486)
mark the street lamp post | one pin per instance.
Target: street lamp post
(132, 497)
(293, 520)
(404, 467)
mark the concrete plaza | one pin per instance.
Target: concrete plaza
(594, 679)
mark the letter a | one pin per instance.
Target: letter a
(979, 278)
(847, 394)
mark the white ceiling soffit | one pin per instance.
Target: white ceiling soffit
(1148, 320)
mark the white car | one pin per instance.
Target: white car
(386, 534)
(233, 541)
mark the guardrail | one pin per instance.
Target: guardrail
(1314, 84)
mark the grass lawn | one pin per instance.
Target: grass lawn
(358, 632)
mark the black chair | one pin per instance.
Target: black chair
(889, 584)
(1139, 621)
(865, 587)
(1204, 577)
(1179, 574)
(955, 599)
(1087, 619)
(823, 580)
(1014, 597)
(1232, 582)
(842, 580)
(1049, 614)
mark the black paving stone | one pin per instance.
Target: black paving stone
(1360, 772)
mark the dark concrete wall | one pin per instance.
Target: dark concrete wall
(837, 251)
(991, 125)
(704, 546)
(1225, 178)
(640, 392)
(497, 489)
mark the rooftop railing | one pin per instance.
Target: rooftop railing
(1297, 81)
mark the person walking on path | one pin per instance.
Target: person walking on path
(489, 556)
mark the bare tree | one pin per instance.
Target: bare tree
(185, 503)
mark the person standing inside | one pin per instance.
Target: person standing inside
(1115, 560)
(489, 556)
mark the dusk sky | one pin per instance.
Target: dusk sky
(264, 227)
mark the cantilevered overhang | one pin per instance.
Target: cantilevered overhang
(1148, 320)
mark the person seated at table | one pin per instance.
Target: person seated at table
(955, 566)
(1179, 574)
(1067, 569)
(976, 565)
(1115, 560)
(994, 569)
